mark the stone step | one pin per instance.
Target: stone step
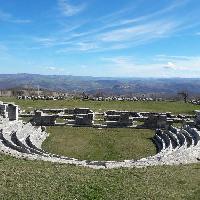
(166, 139)
(174, 139)
(43, 152)
(181, 138)
(188, 137)
(8, 143)
(173, 129)
(158, 142)
(195, 134)
(19, 143)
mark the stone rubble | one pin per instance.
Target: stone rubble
(111, 118)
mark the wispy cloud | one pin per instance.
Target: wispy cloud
(8, 17)
(119, 30)
(3, 52)
(184, 63)
(120, 38)
(136, 32)
(170, 66)
(130, 32)
(54, 69)
(126, 66)
(113, 19)
(43, 41)
(68, 9)
(3, 48)
(86, 46)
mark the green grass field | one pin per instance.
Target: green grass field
(105, 144)
(174, 107)
(22, 179)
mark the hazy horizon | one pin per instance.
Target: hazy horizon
(109, 77)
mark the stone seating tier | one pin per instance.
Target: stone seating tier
(24, 141)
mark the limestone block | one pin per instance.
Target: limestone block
(84, 119)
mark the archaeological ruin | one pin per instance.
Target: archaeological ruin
(174, 145)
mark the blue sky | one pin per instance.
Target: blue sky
(115, 38)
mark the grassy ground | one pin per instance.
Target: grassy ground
(20, 179)
(174, 107)
(104, 144)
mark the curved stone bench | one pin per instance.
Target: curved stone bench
(174, 140)
(7, 141)
(16, 151)
(159, 143)
(188, 137)
(165, 137)
(181, 139)
(195, 134)
(24, 141)
(19, 143)
(174, 129)
(43, 152)
(6, 148)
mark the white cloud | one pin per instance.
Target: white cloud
(3, 48)
(83, 46)
(4, 16)
(170, 65)
(83, 66)
(51, 68)
(129, 66)
(163, 57)
(120, 30)
(179, 63)
(69, 9)
(148, 30)
(7, 17)
(44, 41)
(55, 69)
(4, 52)
(122, 65)
(21, 21)
(149, 16)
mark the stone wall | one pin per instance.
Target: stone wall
(42, 119)
(84, 119)
(118, 118)
(10, 111)
(155, 121)
(174, 147)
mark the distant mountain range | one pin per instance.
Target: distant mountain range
(107, 85)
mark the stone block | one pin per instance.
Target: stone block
(84, 120)
(13, 111)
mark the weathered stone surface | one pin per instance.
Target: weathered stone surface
(42, 119)
(12, 111)
(3, 109)
(118, 118)
(9, 110)
(175, 146)
(197, 118)
(156, 121)
(84, 119)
